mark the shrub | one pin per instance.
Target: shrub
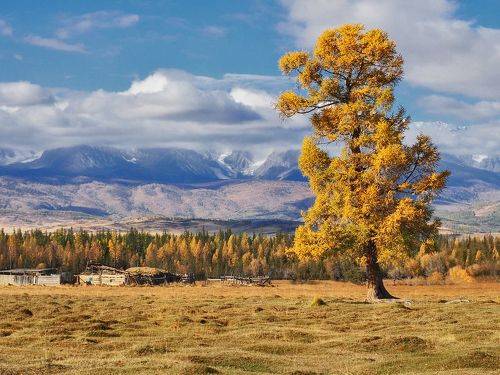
(317, 302)
(459, 275)
(484, 269)
(435, 278)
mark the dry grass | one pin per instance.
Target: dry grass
(219, 329)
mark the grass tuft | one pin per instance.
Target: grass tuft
(150, 349)
(317, 301)
(26, 312)
(198, 370)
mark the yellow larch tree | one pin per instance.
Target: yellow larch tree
(373, 196)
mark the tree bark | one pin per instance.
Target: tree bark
(375, 282)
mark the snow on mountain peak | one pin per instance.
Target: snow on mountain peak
(478, 158)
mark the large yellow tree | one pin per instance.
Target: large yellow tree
(373, 197)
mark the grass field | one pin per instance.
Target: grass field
(242, 330)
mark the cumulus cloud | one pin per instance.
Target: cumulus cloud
(53, 43)
(94, 21)
(170, 96)
(5, 28)
(442, 52)
(14, 94)
(166, 108)
(476, 111)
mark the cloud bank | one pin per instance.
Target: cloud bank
(166, 108)
(175, 108)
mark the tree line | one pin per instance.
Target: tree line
(226, 253)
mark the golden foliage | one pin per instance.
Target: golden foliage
(458, 275)
(378, 189)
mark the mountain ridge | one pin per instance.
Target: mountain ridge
(100, 182)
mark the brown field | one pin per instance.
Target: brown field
(249, 330)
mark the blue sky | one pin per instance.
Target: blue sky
(78, 56)
(202, 37)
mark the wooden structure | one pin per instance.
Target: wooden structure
(98, 274)
(151, 276)
(29, 276)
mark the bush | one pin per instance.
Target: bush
(484, 269)
(458, 275)
(317, 302)
(435, 278)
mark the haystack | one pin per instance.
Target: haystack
(150, 271)
(151, 276)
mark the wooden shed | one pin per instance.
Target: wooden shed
(29, 276)
(97, 274)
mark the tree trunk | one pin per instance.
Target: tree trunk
(375, 282)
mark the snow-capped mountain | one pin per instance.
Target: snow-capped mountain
(169, 165)
(481, 161)
(106, 181)
(10, 156)
(238, 161)
(280, 166)
(176, 165)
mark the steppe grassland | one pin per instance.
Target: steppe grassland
(249, 330)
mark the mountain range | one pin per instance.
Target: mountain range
(85, 182)
(159, 165)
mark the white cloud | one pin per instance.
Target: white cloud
(5, 28)
(166, 108)
(482, 138)
(253, 98)
(14, 94)
(443, 105)
(175, 108)
(93, 21)
(214, 31)
(56, 44)
(442, 53)
(156, 82)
